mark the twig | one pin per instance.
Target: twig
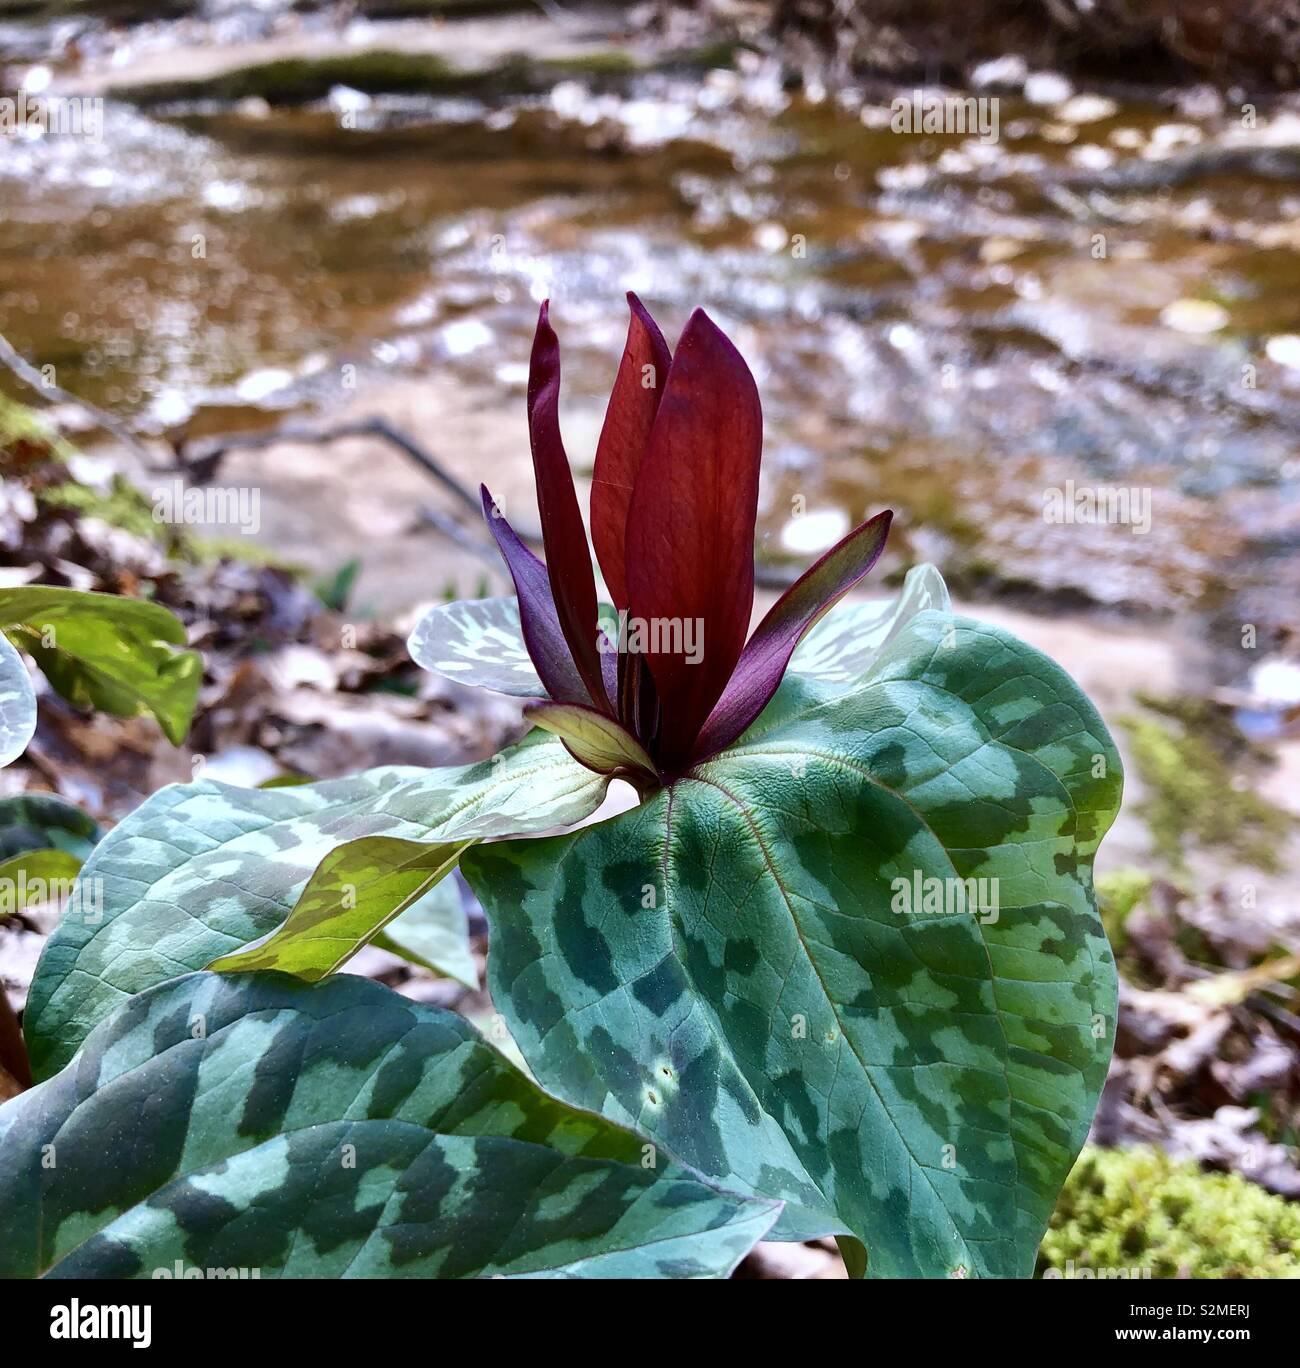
(203, 466)
(32, 377)
(453, 531)
(366, 427)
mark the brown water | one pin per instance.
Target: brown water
(931, 320)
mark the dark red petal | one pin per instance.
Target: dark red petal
(763, 661)
(690, 531)
(546, 645)
(633, 403)
(568, 562)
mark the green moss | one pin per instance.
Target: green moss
(121, 505)
(205, 550)
(1138, 1210)
(1195, 796)
(304, 80)
(20, 425)
(721, 54)
(1118, 893)
(46, 455)
(608, 62)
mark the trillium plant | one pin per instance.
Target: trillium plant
(837, 971)
(674, 500)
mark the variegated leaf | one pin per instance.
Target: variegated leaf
(739, 966)
(478, 642)
(17, 704)
(434, 932)
(355, 892)
(202, 869)
(840, 648)
(253, 1123)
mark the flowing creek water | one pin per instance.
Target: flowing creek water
(975, 333)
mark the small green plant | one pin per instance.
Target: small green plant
(118, 654)
(1138, 1213)
(839, 971)
(122, 655)
(335, 591)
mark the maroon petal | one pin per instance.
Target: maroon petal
(546, 645)
(568, 561)
(690, 531)
(763, 661)
(633, 403)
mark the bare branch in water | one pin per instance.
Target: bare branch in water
(202, 466)
(30, 376)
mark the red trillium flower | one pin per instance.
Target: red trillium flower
(673, 503)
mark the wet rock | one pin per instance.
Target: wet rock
(1001, 73)
(1196, 316)
(1047, 88)
(770, 1259)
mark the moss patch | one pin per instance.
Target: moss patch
(25, 436)
(1195, 768)
(1138, 1210)
(120, 505)
(36, 452)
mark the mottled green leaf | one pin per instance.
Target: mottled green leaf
(38, 821)
(481, 643)
(729, 967)
(121, 655)
(434, 932)
(17, 704)
(478, 642)
(354, 893)
(202, 869)
(337, 1130)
